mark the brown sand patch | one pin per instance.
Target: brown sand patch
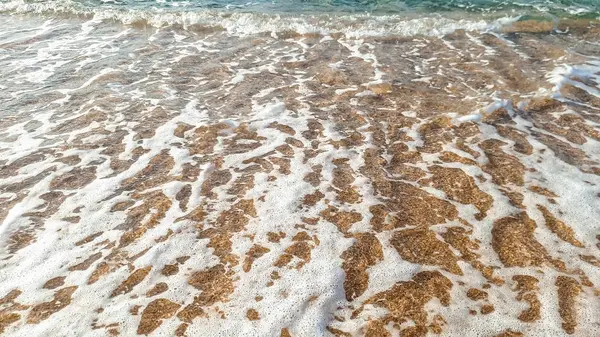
(461, 145)
(20, 239)
(42, 311)
(252, 315)
(406, 172)
(196, 215)
(244, 140)
(354, 139)
(181, 129)
(182, 259)
(216, 286)
(275, 237)
(515, 198)
(189, 173)
(74, 179)
(230, 221)
(313, 198)
(477, 294)
(285, 150)
(451, 157)
(576, 126)
(458, 238)
(343, 175)
(52, 201)
(343, 220)
(181, 330)
(331, 76)
(80, 122)
(170, 269)
(134, 279)
(8, 306)
(594, 261)
(406, 300)
(487, 309)
(461, 187)
(364, 253)
(204, 138)
(420, 245)
(70, 160)
(405, 157)
(215, 179)
(314, 177)
(514, 241)
(54, 283)
(504, 168)
(220, 242)
(283, 163)
(562, 230)
(376, 328)
(102, 269)
(301, 236)
(435, 132)
(122, 205)
(564, 151)
(568, 290)
(349, 196)
(579, 95)
(294, 142)
(86, 263)
(255, 252)
(183, 196)
(301, 250)
(315, 129)
(498, 117)
(283, 128)
(283, 260)
(337, 332)
(12, 168)
(158, 288)
(527, 288)
(542, 191)
(380, 88)
(137, 222)
(7, 319)
(413, 206)
(522, 145)
(154, 314)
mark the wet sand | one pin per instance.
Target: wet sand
(194, 183)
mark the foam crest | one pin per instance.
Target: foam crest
(246, 23)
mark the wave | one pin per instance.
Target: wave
(239, 23)
(247, 23)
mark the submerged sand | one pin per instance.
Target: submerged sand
(178, 182)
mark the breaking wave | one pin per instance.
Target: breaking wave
(246, 23)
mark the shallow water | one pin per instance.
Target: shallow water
(192, 168)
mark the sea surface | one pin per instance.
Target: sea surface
(300, 168)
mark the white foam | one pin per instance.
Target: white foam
(244, 23)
